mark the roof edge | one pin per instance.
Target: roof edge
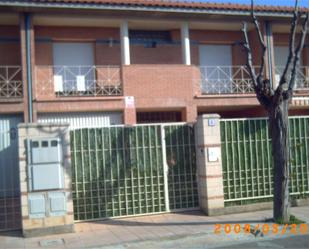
(141, 8)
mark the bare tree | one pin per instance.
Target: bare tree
(276, 103)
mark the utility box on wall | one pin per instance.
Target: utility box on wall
(45, 168)
(45, 178)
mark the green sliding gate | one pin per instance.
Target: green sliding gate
(120, 171)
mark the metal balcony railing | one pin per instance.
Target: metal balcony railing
(10, 82)
(225, 80)
(302, 77)
(62, 81)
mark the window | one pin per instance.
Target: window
(281, 54)
(150, 38)
(74, 70)
(216, 68)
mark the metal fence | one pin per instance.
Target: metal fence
(64, 81)
(11, 82)
(247, 159)
(10, 207)
(226, 80)
(302, 79)
(120, 171)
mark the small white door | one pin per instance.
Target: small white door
(74, 62)
(216, 68)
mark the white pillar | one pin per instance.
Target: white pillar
(185, 44)
(125, 43)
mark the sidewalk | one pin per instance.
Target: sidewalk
(171, 227)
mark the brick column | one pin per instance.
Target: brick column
(209, 168)
(129, 116)
(45, 211)
(189, 113)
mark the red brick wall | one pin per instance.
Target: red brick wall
(157, 84)
(162, 54)
(106, 54)
(217, 37)
(76, 33)
(161, 87)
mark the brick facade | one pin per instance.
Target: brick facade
(156, 77)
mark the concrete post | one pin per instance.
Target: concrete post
(125, 43)
(45, 211)
(209, 167)
(185, 44)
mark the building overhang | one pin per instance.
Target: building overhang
(137, 8)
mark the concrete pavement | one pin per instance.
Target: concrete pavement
(171, 230)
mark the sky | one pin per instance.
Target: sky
(304, 3)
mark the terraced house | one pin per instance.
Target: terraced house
(95, 63)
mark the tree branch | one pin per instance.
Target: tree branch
(291, 56)
(298, 54)
(246, 46)
(261, 40)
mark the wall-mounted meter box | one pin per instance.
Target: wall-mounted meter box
(45, 168)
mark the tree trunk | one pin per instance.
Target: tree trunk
(278, 124)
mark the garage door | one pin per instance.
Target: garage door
(83, 120)
(10, 215)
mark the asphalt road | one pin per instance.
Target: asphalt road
(210, 241)
(300, 241)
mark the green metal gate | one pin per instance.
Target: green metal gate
(247, 159)
(10, 209)
(180, 158)
(120, 171)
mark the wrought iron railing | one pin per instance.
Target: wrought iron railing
(302, 77)
(62, 81)
(225, 80)
(10, 82)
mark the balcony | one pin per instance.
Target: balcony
(302, 78)
(11, 86)
(220, 80)
(77, 81)
(147, 81)
(223, 80)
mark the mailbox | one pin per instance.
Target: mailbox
(45, 164)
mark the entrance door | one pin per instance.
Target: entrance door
(216, 68)
(10, 214)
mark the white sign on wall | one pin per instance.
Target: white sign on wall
(211, 122)
(129, 102)
(213, 154)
